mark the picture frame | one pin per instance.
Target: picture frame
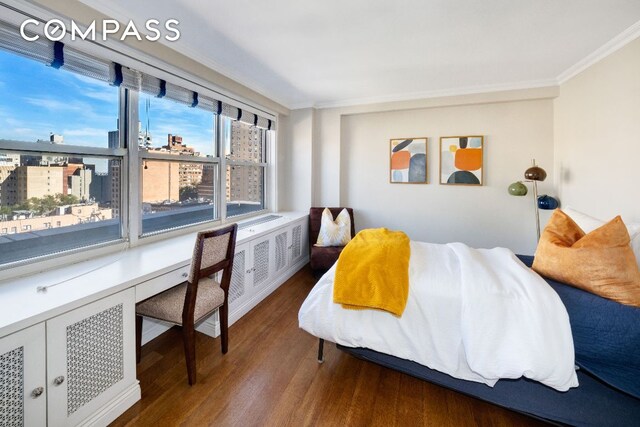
(408, 162)
(462, 160)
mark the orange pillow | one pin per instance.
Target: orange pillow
(600, 262)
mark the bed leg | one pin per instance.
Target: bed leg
(320, 350)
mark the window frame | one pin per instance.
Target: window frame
(31, 148)
(264, 165)
(14, 12)
(176, 159)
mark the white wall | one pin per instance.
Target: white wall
(295, 168)
(486, 216)
(597, 137)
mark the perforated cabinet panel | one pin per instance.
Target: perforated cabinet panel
(281, 251)
(261, 262)
(95, 356)
(12, 388)
(236, 287)
(296, 242)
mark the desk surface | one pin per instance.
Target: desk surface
(69, 287)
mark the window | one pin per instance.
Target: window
(178, 164)
(77, 129)
(176, 194)
(245, 154)
(56, 125)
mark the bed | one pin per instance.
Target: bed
(606, 340)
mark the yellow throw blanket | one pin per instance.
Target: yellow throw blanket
(373, 271)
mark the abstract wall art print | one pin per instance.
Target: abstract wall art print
(461, 160)
(408, 161)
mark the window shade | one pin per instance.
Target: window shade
(40, 50)
(159, 88)
(43, 50)
(248, 118)
(81, 63)
(131, 79)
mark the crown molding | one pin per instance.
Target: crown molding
(414, 96)
(605, 50)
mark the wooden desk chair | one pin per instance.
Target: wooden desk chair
(192, 301)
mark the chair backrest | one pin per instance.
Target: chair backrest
(212, 252)
(315, 217)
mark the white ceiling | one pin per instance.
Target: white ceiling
(304, 53)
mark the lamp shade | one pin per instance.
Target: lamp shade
(517, 189)
(535, 173)
(547, 202)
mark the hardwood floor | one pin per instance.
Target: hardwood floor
(270, 377)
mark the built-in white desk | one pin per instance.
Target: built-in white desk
(266, 255)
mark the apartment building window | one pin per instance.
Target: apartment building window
(245, 155)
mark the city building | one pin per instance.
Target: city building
(71, 215)
(9, 159)
(113, 181)
(37, 181)
(100, 188)
(163, 180)
(244, 183)
(69, 170)
(79, 183)
(160, 181)
(8, 185)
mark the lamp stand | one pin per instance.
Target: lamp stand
(535, 207)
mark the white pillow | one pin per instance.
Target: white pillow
(589, 223)
(334, 233)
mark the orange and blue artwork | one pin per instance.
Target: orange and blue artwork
(408, 161)
(461, 160)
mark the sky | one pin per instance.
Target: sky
(36, 100)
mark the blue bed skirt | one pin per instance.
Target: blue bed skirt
(607, 345)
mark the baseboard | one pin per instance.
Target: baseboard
(116, 407)
(211, 326)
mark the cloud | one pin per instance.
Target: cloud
(86, 132)
(78, 109)
(55, 105)
(86, 80)
(101, 95)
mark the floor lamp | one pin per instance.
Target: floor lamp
(533, 175)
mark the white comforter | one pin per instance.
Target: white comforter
(475, 314)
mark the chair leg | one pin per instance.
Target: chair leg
(189, 338)
(138, 337)
(223, 312)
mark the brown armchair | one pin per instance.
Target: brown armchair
(322, 258)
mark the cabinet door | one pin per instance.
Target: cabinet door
(280, 252)
(238, 291)
(22, 378)
(261, 261)
(297, 245)
(90, 357)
